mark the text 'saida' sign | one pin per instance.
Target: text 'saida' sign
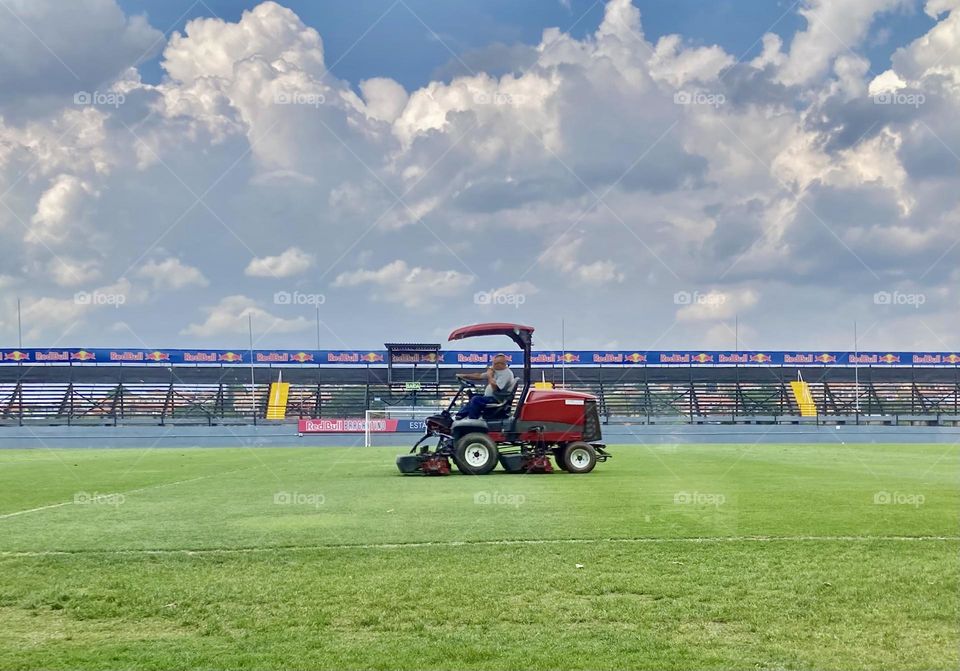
(167, 357)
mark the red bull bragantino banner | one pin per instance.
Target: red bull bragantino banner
(543, 358)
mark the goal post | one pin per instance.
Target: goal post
(396, 420)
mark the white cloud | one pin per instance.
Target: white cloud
(716, 305)
(384, 97)
(69, 272)
(58, 210)
(293, 261)
(230, 317)
(172, 273)
(564, 256)
(413, 287)
(833, 27)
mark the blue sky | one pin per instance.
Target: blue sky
(466, 25)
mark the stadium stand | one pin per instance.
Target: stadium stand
(108, 394)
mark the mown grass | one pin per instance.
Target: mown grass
(714, 556)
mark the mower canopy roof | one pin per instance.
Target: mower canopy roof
(517, 332)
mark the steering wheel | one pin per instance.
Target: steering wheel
(465, 382)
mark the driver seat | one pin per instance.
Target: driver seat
(502, 409)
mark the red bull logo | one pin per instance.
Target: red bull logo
(570, 357)
(890, 358)
(342, 357)
(636, 357)
(760, 357)
(200, 357)
(158, 356)
(230, 357)
(82, 355)
(53, 356)
(798, 358)
(703, 357)
(826, 358)
(372, 357)
(272, 357)
(543, 357)
(16, 356)
(608, 357)
(126, 356)
(301, 357)
(952, 358)
(732, 358)
(674, 358)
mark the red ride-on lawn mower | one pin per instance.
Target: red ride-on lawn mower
(564, 424)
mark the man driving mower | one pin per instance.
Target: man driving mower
(499, 380)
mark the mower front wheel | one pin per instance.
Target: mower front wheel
(558, 458)
(579, 457)
(475, 454)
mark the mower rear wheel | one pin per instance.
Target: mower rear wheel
(579, 457)
(475, 454)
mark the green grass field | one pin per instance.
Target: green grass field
(666, 557)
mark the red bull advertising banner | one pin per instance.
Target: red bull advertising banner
(359, 425)
(542, 358)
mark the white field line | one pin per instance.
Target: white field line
(129, 491)
(448, 544)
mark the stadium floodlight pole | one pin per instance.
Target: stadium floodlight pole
(253, 384)
(318, 325)
(856, 372)
(19, 327)
(563, 359)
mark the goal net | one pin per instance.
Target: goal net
(396, 420)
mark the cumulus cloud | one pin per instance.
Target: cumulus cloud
(58, 210)
(411, 286)
(293, 261)
(231, 315)
(69, 272)
(172, 273)
(564, 256)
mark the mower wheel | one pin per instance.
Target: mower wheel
(579, 457)
(475, 454)
(558, 458)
